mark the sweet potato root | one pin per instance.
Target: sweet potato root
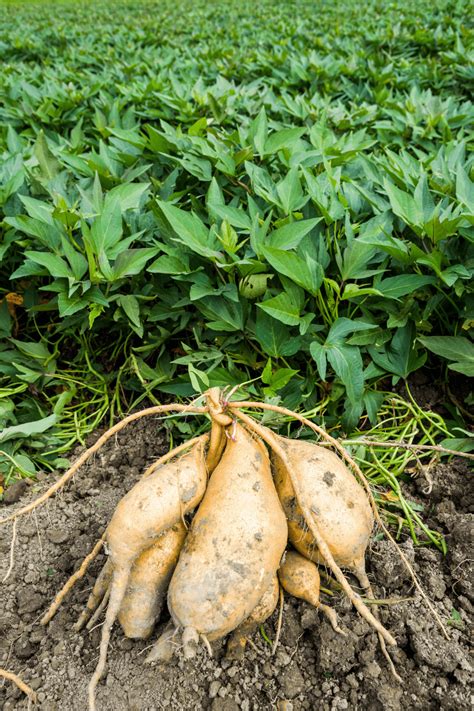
(153, 505)
(265, 608)
(336, 499)
(234, 546)
(148, 583)
(300, 577)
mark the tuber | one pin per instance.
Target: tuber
(336, 499)
(265, 608)
(153, 505)
(234, 545)
(148, 583)
(300, 577)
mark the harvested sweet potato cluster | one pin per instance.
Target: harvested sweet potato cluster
(218, 528)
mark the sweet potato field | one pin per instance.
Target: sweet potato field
(243, 230)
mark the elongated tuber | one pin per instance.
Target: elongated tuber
(234, 546)
(336, 499)
(153, 505)
(148, 583)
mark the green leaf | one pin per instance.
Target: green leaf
(236, 217)
(348, 366)
(285, 138)
(403, 204)
(35, 350)
(400, 356)
(279, 379)
(48, 164)
(289, 236)
(254, 285)
(132, 261)
(356, 257)
(37, 209)
(403, 284)
(5, 320)
(170, 264)
(460, 444)
(199, 379)
(275, 338)
(71, 305)
(224, 315)
(291, 193)
(259, 130)
(284, 307)
(28, 429)
(190, 229)
(262, 183)
(56, 266)
(343, 326)
(131, 307)
(128, 196)
(353, 291)
(307, 273)
(318, 353)
(423, 199)
(455, 348)
(465, 188)
(77, 260)
(106, 230)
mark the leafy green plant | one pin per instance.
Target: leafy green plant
(224, 195)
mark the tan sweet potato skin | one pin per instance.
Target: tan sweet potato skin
(300, 577)
(266, 605)
(235, 543)
(265, 608)
(339, 503)
(148, 583)
(155, 504)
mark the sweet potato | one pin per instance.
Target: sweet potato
(153, 505)
(302, 501)
(265, 608)
(338, 502)
(148, 583)
(300, 577)
(234, 546)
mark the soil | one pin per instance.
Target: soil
(313, 668)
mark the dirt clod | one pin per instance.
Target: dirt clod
(15, 492)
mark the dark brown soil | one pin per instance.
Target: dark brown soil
(314, 668)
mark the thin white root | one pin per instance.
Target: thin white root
(19, 683)
(207, 644)
(100, 607)
(332, 617)
(363, 480)
(364, 581)
(279, 622)
(47, 617)
(269, 437)
(101, 586)
(12, 553)
(156, 410)
(165, 646)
